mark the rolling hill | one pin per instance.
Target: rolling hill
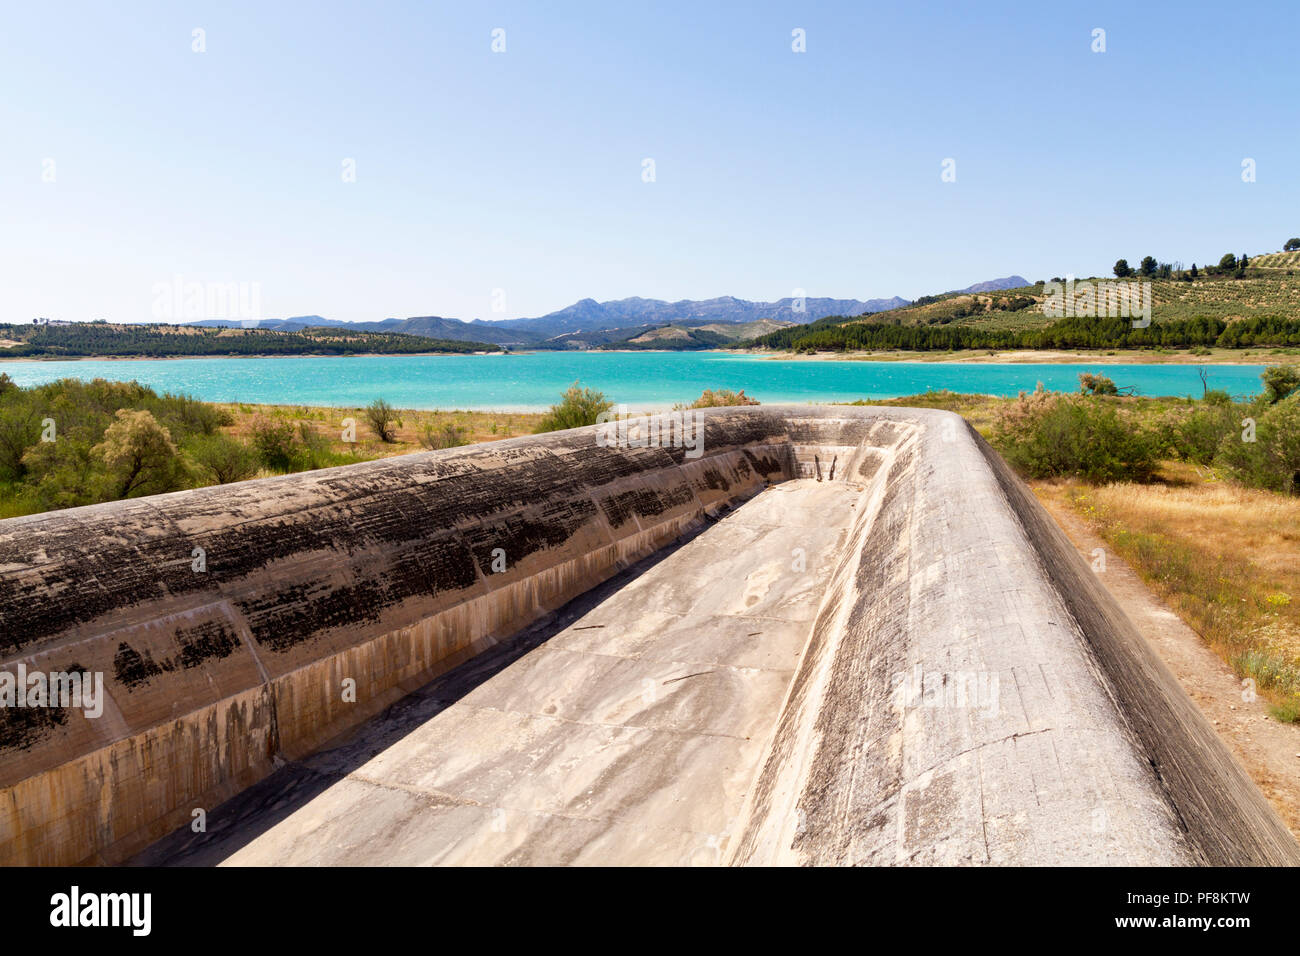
(686, 338)
(1217, 308)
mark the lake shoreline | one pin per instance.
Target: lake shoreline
(1031, 357)
(964, 357)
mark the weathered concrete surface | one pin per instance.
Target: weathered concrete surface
(379, 573)
(1074, 744)
(630, 734)
(384, 573)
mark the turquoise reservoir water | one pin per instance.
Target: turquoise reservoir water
(640, 379)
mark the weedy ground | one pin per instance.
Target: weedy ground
(410, 426)
(1226, 559)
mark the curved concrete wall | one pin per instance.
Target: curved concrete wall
(229, 621)
(972, 695)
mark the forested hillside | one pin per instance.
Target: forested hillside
(82, 339)
(1238, 303)
(1073, 333)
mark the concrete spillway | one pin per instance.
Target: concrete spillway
(841, 635)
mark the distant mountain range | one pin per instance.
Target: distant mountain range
(588, 322)
(993, 285)
(588, 315)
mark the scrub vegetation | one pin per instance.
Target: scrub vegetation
(70, 443)
(578, 406)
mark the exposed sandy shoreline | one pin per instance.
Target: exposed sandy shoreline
(1034, 357)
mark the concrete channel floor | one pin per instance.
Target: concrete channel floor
(624, 731)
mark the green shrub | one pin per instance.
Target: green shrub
(20, 429)
(1195, 434)
(276, 444)
(1202, 432)
(1090, 384)
(1045, 436)
(448, 436)
(139, 456)
(17, 500)
(65, 474)
(1287, 712)
(383, 420)
(1279, 382)
(315, 449)
(223, 459)
(720, 398)
(1272, 460)
(120, 439)
(577, 407)
(189, 415)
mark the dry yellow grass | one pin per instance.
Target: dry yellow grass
(328, 423)
(1225, 558)
(1220, 516)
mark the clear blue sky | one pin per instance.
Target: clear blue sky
(522, 170)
